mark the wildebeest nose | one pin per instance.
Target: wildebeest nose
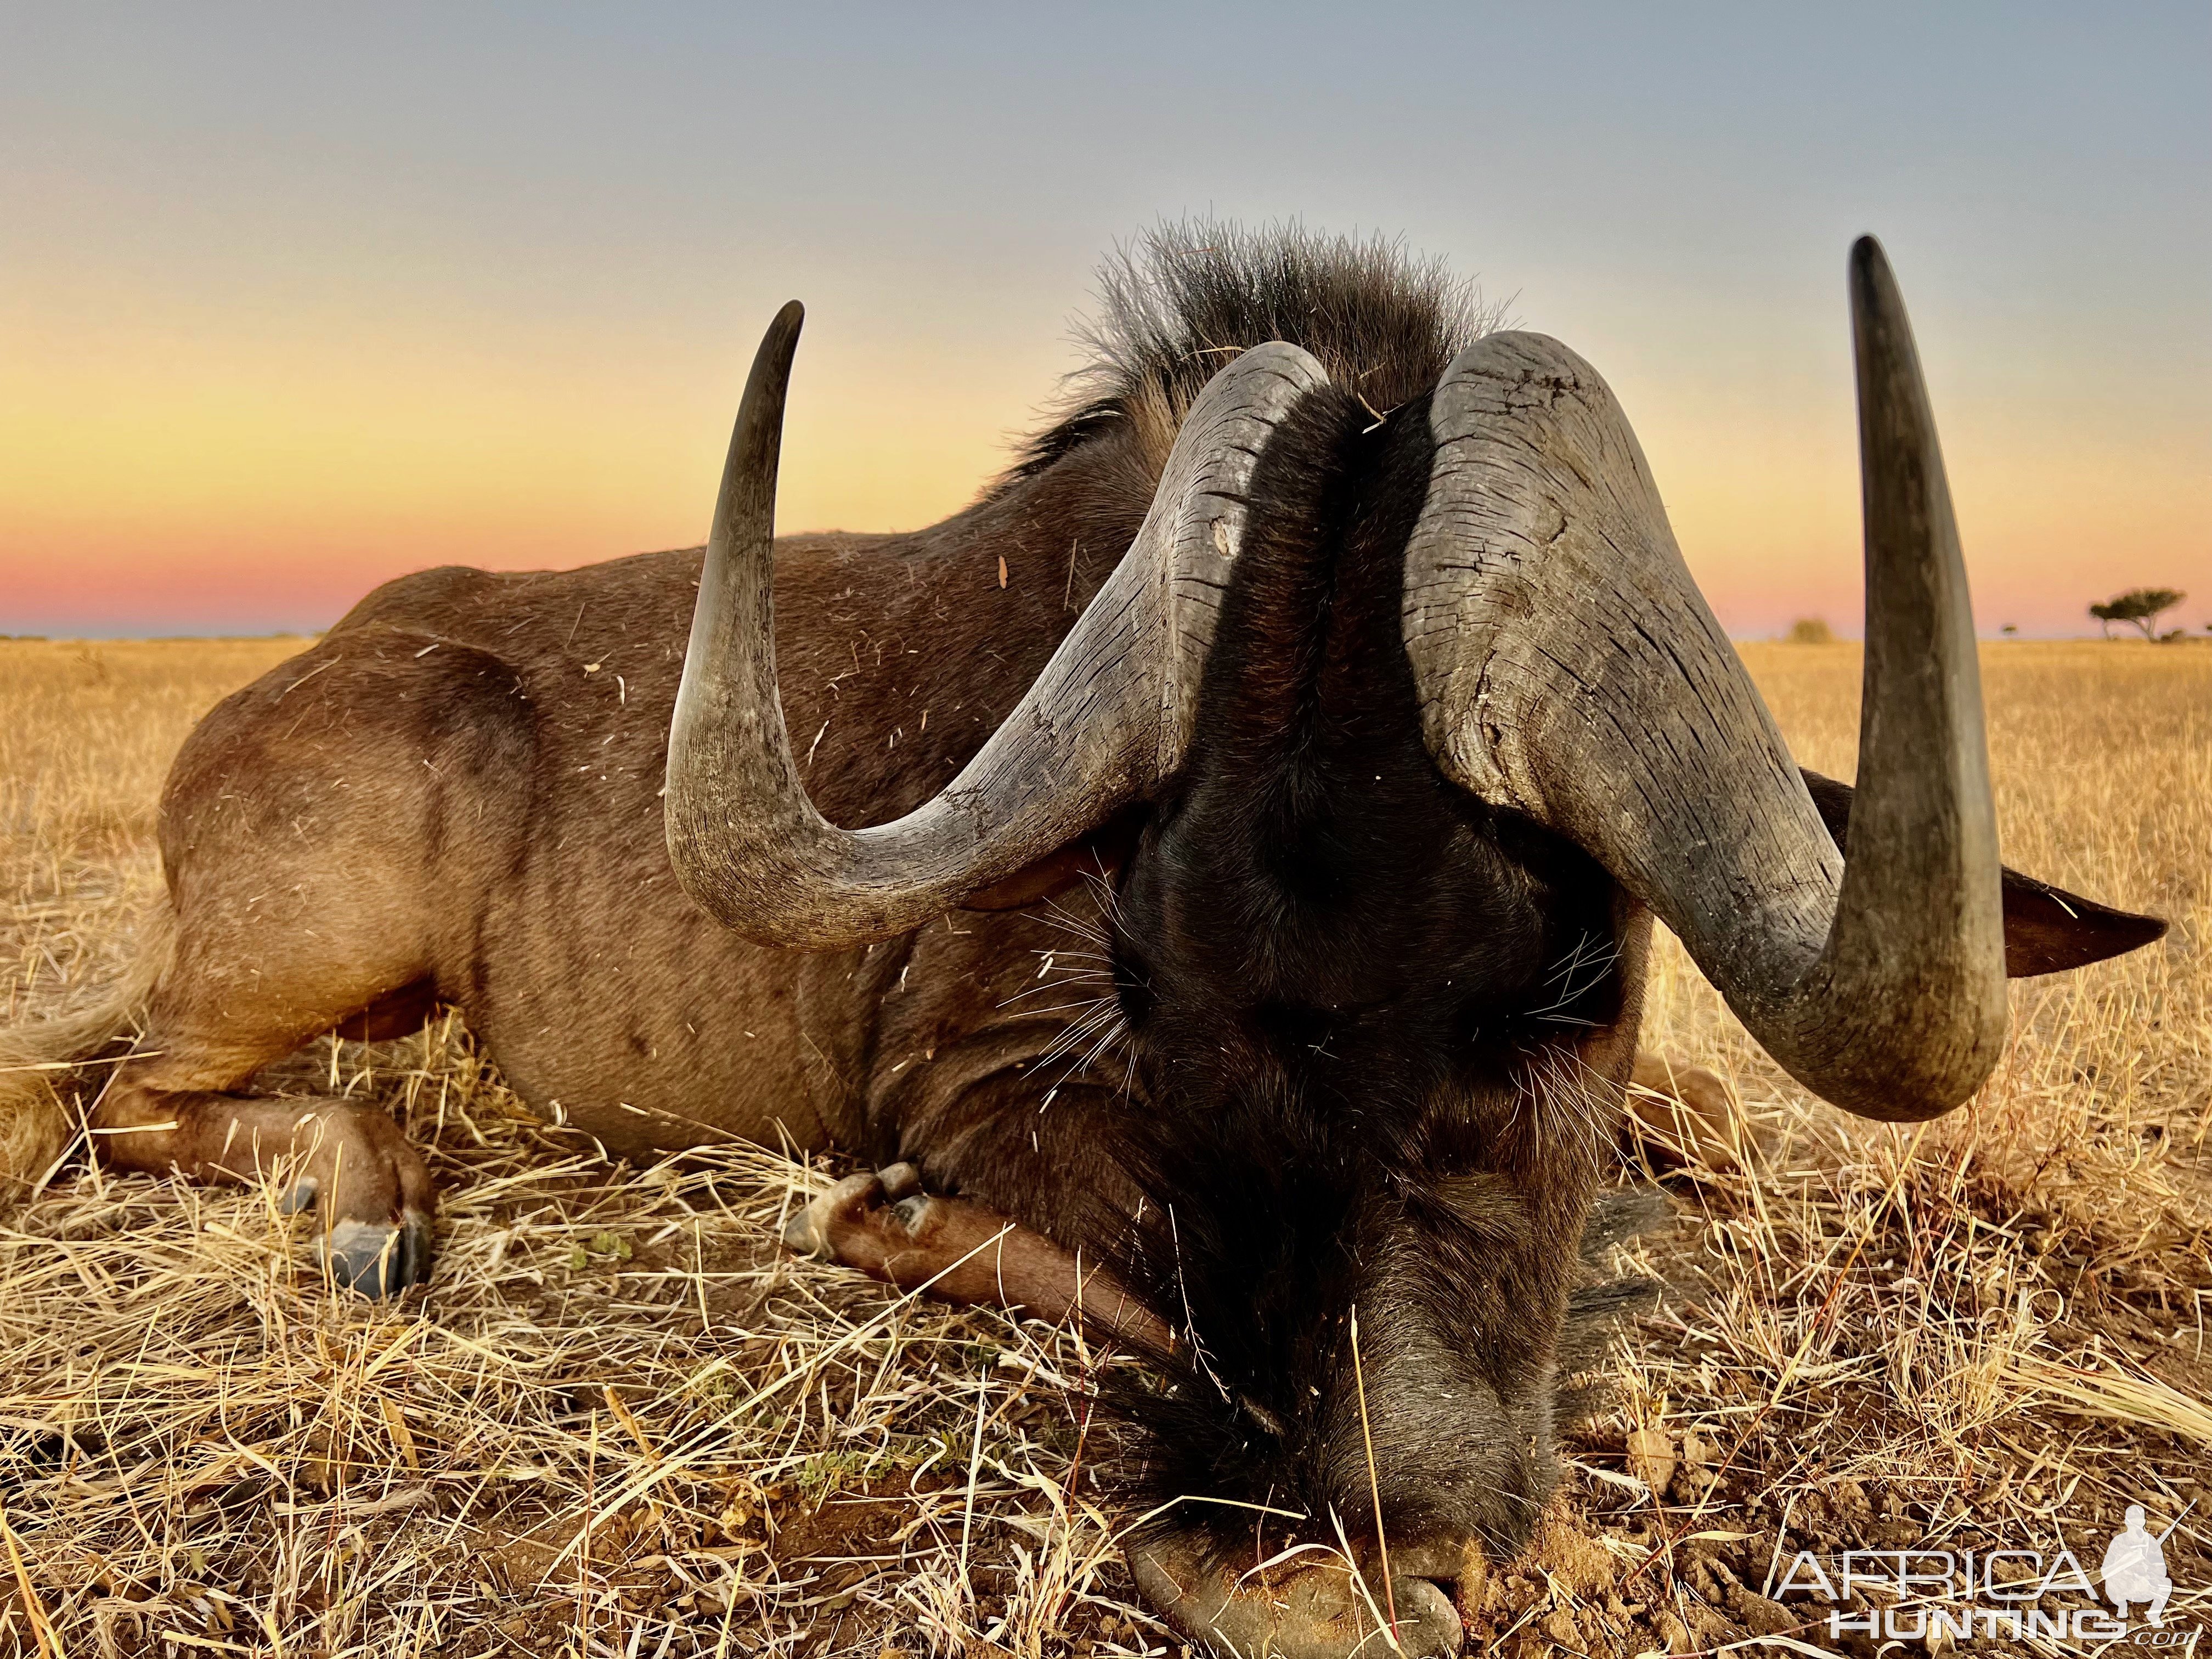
(1437, 1583)
(1451, 1560)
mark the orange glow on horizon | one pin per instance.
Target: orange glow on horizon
(164, 480)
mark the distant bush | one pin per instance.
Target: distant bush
(1810, 630)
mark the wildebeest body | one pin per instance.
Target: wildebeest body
(457, 795)
(1320, 1070)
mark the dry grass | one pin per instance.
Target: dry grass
(617, 1423)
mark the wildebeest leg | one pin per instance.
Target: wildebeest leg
(180, 1109)
(328, 834)
(371, 1193)
(962, 1251)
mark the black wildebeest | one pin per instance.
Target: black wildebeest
(1393, 728)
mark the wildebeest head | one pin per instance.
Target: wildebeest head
(1374, 1018)
(1426, 720)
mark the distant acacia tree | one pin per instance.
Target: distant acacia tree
(1810, 630)
(2139, 605)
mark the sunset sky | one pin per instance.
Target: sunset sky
(291, 303)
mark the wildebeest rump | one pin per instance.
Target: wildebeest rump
(1368, 936)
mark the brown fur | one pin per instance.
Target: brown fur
(454, 798)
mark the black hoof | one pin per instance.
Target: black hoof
(900, 1181)
(376, 1260)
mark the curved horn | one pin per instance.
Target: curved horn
(1570, 669)
(1110, 715)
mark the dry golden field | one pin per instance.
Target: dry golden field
(616, 1423)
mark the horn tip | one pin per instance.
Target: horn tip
(1872, 280)
(779, 345)
(782, 334)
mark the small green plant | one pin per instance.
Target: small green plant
(611, 1246)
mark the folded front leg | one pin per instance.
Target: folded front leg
(961, 1251)
(345, 1159)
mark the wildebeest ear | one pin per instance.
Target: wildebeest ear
(1099, 855)
(2047, 930)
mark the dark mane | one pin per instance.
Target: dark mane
(1178, 303)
